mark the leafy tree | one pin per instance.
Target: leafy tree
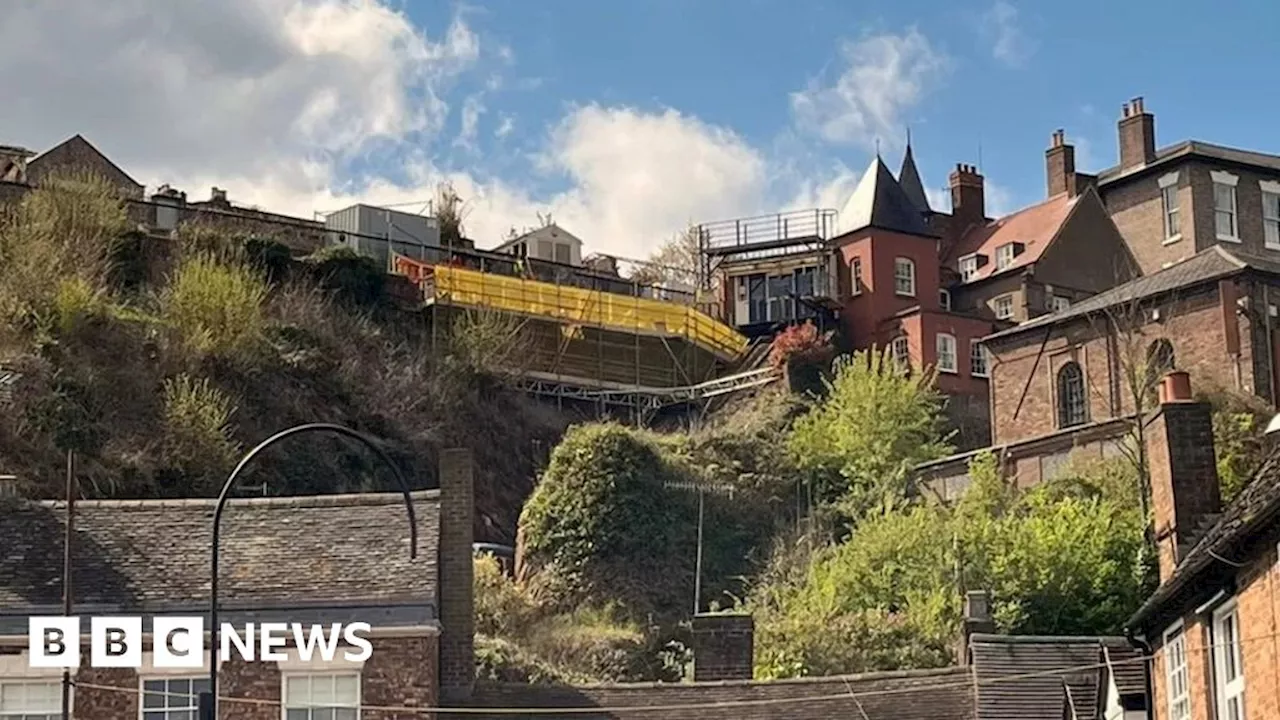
(873, 427)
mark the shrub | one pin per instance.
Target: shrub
(489, 341)
(800, 345)
(352, 277)
(198, 444)
(215, 307)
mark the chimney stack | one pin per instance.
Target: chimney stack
(723, 647)
(1060, 166)
(457, 575)
(977, 621)
(967, 203)
(13, 163)
(1183, 469)
(9, 486)
(1137, 135)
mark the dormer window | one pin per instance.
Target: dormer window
(968, 267)
(1006, 253)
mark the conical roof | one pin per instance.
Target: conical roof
(879, 201)
(909, 179)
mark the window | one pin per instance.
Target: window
(1271, 218)
(563, 254)
(30, 700)
(1004, 307)
(1228, 674)
(978, 364)
(1071, 406)
(946, 353)
(1004, 256)
(172, 698)
(855, 271)
(944, 299)
(331, 696)
(544, 250)
(758, 301)
(900, 352)
(1176, 680)
(904, 277)
(1224, 206)
(968, 267)
(805, 288)
(781, 304)
(1169, 198)
(1060, 303)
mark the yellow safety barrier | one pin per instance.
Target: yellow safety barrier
(590, 307)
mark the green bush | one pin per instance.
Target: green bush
(198, 442)
(352, 277)
(215, 307)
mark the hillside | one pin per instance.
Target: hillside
(158, 361)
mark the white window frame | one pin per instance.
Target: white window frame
(855, 274)
(287, 675)
(190, 675)
(54, 711)
(1270, 190)
(1228, 691)
(1005, 255)
(996, 304)
(1171, 205)
(900, 352)
(1060, 303)
(947, 341)
(904, 283)
(979, 360)
(944, 299)
(968, 267)
(1178, 706)
(1226, 180)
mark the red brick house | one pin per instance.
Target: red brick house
(1211, 625)
(323, 559)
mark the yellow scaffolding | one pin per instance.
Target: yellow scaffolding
(575, 305)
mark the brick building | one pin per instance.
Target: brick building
(324, 559)
(1172, 202)
(1211, 624)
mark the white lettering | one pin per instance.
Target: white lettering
(243, 644)
(53, 642)
(306, 645)
(271, 636)
(178, 642)
(358, 640)
(115, 642)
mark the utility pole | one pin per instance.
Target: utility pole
(702, 489)
(66, 571)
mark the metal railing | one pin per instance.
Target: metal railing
(798, 225)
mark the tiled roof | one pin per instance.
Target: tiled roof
(1035, 227)
(1127, 668)
(141, 554)
(1254, 511)
(909, 179)
(1213, 263)
(880, 202)
(1188, 148)
(944, 694)
(1030, 678)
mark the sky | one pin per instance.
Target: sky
(625, 121)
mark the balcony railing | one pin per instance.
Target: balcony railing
(778, 230)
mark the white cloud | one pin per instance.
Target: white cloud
(882, 77)
(472, 109)
(1009, 43)
(505, 126)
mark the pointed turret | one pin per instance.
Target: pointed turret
(879, 201)
(909, 179)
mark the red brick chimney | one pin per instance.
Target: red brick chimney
(457, 575)
(1183, 468)
(1060, 166)
(723, 647)
(1137, 135)
(967, 203)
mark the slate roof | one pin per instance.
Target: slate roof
(880, 202)
(1255, 511)
(909, 179)
(76, 142)
(1189, 148)
(1035, 227)
(943, 694)
(153, 555)
(1052, 673)
(1213, 263)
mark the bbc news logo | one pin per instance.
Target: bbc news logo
(179, 642)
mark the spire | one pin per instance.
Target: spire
(879, 201)
(909, 178)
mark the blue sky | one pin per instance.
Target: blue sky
(624, 120)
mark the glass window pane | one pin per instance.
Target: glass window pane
(322, 714)
(346, 714)
(297, 690)
(297, 715)
(346, 690)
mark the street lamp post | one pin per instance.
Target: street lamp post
(209, 700)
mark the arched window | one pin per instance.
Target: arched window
(1071, 404)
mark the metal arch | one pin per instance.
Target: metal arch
(225, 495)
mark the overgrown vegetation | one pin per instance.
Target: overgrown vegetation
(158, 360)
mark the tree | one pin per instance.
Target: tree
(874, 425)
(674, 264)
(450, 211)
